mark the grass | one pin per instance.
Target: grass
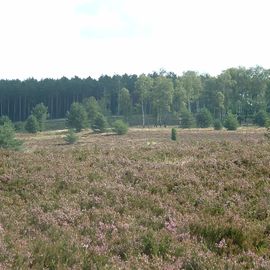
(120, 202)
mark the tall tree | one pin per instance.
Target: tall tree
(124, 102)
(143, 87)
(161, 97)
(41, 113)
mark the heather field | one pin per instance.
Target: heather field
(137, 201)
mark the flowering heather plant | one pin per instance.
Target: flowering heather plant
(112, 202)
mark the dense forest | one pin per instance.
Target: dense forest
(241, 91)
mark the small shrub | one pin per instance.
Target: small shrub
(231, 122)
(204, 118)
(32, 125)
(120, 127)
(212, 235)
(5, 119)
(187, 119)
(19, 126)
(100, 124)
(71, 137)
(261, 119)
(152, 247)
(7, 137)
(217, 124)
(174, 134)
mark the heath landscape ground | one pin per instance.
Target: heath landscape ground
(137, 201)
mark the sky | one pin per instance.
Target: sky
(56, 38)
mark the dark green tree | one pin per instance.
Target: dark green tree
(7, 136)
(32, 124)
(100, 124)
(204, 118)
(231, 122)
(187, 119)
(218, 124)
(174, 134)
(77, 117)
(261, 119)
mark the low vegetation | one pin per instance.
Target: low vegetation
(120, 202)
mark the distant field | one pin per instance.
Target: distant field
(138, 201)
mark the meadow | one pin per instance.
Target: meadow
(137, 201)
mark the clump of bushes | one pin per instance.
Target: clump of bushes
(204, 118)
(261, 119)
(231, 122)
(218, 124)
(187, 119)
(120, 127)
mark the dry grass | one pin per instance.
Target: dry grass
(138, 201)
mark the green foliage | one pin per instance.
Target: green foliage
(218, 124)
(41, 113)
(71, 137)
(100, 124)
(19, 126)
(32, 125)
(120, 127)
(151, 246)
(204, 118)
(77, 117)
(174, 134)
(231, 122)
(124, 102)
(7, 136)
(5, 119)
(261, 119)
(92, 108)
(212, 235)
(187, 119)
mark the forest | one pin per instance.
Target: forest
(241, 91)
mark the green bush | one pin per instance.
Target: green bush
(32, 125)
(41, 113)
(120, 127)
(261, 119)
(5, 119)
(77, 117)
(187, 119)
(100, 124)
(204, 118)
(7, 137)
(71, 137)
(231, 122)
(218, 124)
(174, 134)
(19, 126)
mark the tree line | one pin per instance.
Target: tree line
(240, 91)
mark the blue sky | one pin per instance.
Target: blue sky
(55, 38)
